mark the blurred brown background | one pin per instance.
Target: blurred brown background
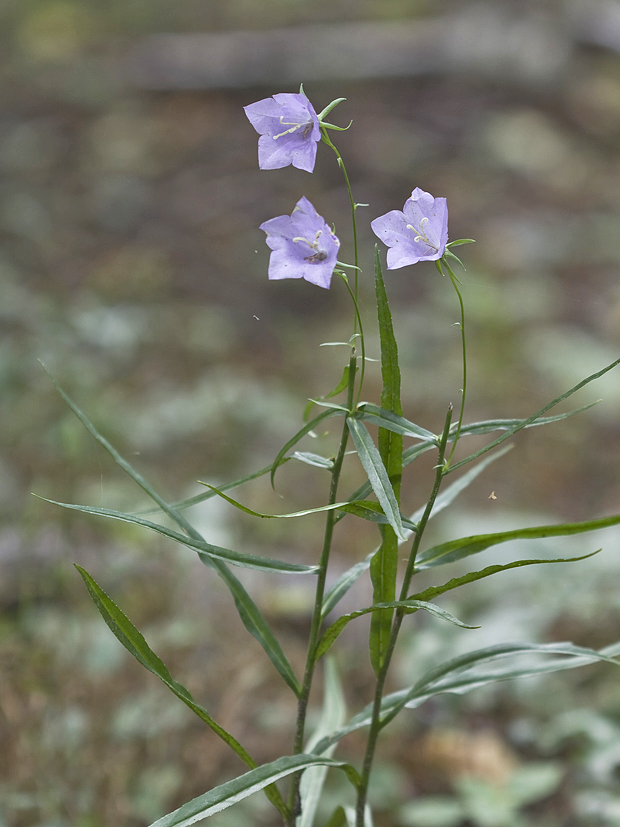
(131, 263)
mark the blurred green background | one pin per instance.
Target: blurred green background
(131, 264)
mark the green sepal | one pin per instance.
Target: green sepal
(325, 112)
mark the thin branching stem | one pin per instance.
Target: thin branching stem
(329, 143)
(459, 424)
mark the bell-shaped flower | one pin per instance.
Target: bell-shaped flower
(302, 245)
(289, 131)
(418, 233)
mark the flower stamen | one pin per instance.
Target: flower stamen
(421, 235)
(294, 126)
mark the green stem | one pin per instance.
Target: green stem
(329, 143)
(455, 284)
(377, 724)
(361, 335)
(315, 627)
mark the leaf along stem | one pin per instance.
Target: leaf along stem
(315, 628)
(376, 724)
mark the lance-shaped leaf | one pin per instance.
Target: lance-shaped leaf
(125, 632)
(434, 591)
(531, 419)
(411, 605)
(207, 495)
(251, 617)
(236, 558)
(466, 546)
(393, 422)
(333, 716)
(384, 565)
(342, 585)
(313, 459)
(488, 425)
(236, 790)
(464, 679)
(369, 510)
(309, 426)
(377, 475)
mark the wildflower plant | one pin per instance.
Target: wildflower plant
(303, 245)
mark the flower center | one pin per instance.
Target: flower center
(421, 234)
(293, 126)
(318, 255)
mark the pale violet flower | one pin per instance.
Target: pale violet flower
(303, 246)
(289, 131)
(418, 233)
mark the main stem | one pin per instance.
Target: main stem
(315, 627)
(377, 724)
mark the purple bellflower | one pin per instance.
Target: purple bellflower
(289, 131)
(418, 233)
(303, 246)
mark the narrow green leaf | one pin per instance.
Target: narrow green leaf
(525, 422)
(309, 426)
(460, 683)
(434, 591)
(251, 617)
(409, 455)
(377, 475)
(257, 626)
(449, 494)
(136, 477)
(411, 604)
(344, 583)
(372, 511)
(489, 425)
(465, 546)
(318, 510)
(236, 790)
(236, 558)
(207, 495)
(127, 634)
(349, 577)
(332, 716)
(393, 422)
(312, 459)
